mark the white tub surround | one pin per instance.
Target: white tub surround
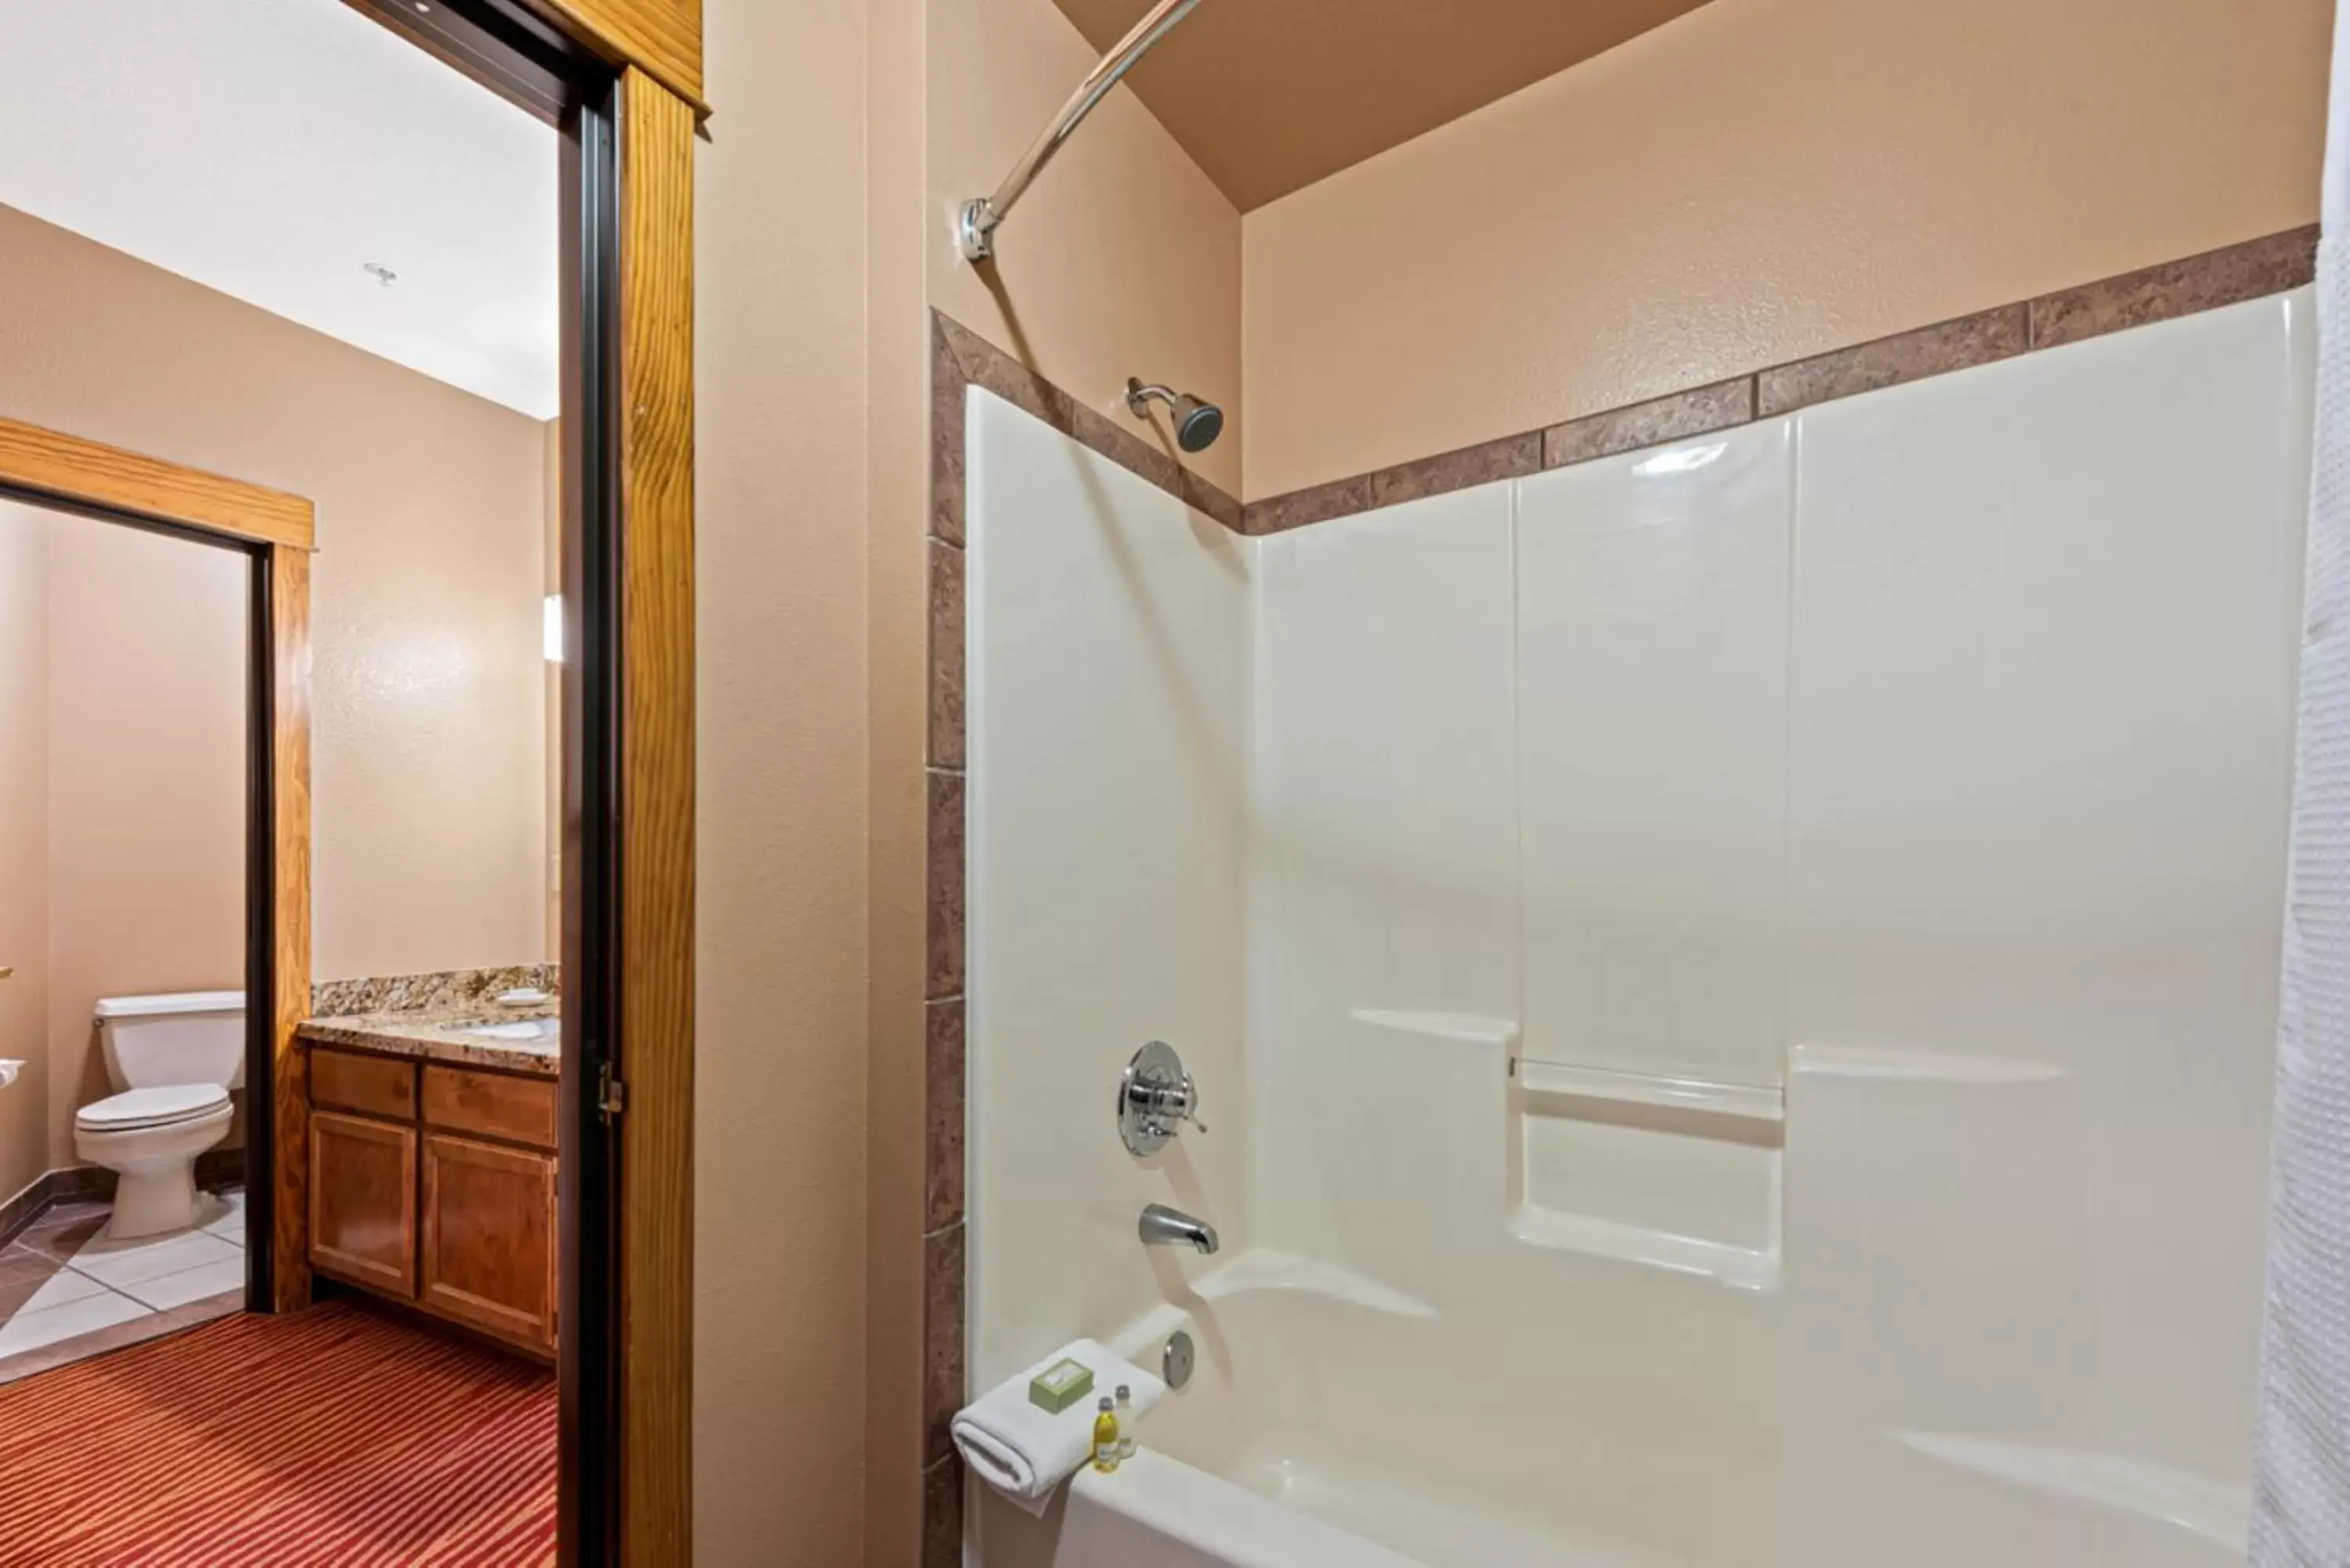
(1733, 983)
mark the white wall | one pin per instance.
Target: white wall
(1926, 754)
(1108, 642)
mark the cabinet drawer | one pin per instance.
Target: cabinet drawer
(494, 1105)
(489, 1238)
(372, 1086)
(363, 1201)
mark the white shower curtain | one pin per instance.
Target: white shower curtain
(2301, 1498)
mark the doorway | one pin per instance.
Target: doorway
(626, 799)
(123, 865)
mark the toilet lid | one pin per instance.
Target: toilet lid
(151, 1107)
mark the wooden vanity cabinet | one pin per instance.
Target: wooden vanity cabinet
(443, 1194)
(489, 1237)
(363, 1201)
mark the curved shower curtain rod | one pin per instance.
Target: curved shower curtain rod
(975, 228)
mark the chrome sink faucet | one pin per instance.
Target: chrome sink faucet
(1165, 1226)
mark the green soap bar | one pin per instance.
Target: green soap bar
(1061, 1385)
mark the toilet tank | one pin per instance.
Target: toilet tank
(184, 1037)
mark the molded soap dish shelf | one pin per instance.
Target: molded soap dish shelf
(1673, 1172)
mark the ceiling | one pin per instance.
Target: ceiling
(1268, 96)
(274, 150)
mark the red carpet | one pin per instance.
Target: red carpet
(336, 1436)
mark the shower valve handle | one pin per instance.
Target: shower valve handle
(1155, 1098)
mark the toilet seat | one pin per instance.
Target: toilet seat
(154, 1107)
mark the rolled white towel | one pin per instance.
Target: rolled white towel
(1025, 1452)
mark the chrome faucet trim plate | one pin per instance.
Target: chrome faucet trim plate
(1154, 1099)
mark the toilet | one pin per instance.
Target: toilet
(173, 1059)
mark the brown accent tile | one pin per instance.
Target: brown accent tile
(1201, 495)
(1320, 504)
(1935, 350)
(20, 1212)
(63, 1230)
(946, 656)
(946, 884)
(946, 437)
(81, 1184)
(943, 1376)
(960, 356)
(943, 1515)
(23, 1271)
(943, 1114)
(218, 1169)
(1139, 455)
(1512, 457)
(1149, 457)
(120, 1335)
(985, 365)
(2230, 275)
(1675, 417)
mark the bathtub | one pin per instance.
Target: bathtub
(1333, 1422)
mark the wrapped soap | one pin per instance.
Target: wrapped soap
(1061, 1385)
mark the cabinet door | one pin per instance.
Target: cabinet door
(363, 1201)
(489, 1238)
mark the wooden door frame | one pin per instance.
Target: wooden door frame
(277, 533)
(622, 79)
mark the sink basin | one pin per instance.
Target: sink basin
(527, 1030)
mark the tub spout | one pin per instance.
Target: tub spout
(1165, 1226)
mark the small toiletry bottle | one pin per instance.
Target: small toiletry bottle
(1125, 1423)
(1106, 1438)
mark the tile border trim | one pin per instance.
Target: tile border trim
(2232, 275)
(962, 359)
(952, 345)
(215, 1169)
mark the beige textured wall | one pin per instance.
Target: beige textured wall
(24, 842)
(779, 1289)
(1758, 181)
(905, 229)
(148, 638)
(1122, 260)
(813, 437)
(429, 721)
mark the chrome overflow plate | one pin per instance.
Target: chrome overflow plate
(1154, 1099)
(1177, 1364)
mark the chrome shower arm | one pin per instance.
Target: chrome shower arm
(977, 223)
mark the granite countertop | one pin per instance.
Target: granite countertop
(440, 1018)
(429, 1038)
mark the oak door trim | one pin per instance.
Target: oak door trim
(627, 1158)
(277, 532)
(287, 632)
(661, 38)
(93, 475)
(657, 852)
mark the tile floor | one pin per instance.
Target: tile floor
(62, 1281)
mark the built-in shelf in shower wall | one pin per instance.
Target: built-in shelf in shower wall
(1675, 1173)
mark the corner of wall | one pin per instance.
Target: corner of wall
(1124, 259)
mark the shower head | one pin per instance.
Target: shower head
(1198, 423)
